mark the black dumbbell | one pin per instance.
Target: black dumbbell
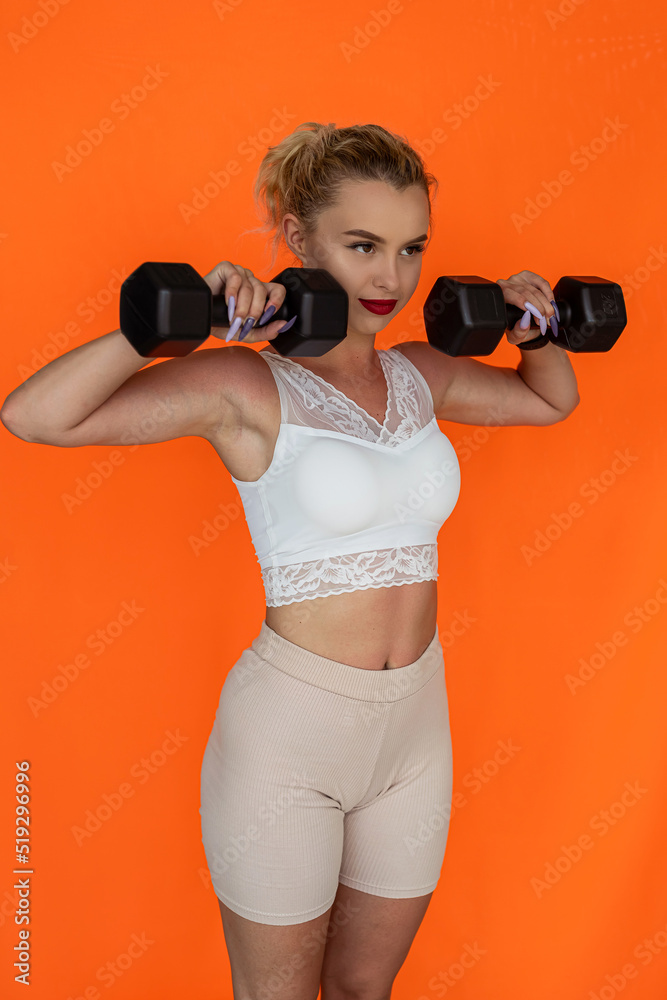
(467, 315)
(167, 310)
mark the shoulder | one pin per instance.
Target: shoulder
(434, 366)
(233, 363)
(238, 375)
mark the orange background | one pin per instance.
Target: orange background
(554, 80)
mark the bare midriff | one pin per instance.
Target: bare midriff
(374, 629)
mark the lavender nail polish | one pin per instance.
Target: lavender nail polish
(525, 320)
(247, 327)
(556, 309)
(288, 325)
(234, 328)
(266, 315)
(231, 306)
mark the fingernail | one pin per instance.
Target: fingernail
(266, 316)
(556, 309)
(525, 320)
(287, 325)
(543, 323)
(231, 306)
(554, 326)
(234, 328)
(247, 327)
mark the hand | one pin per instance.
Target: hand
(530, 292)
(252, 298)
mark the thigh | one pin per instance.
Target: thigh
(369, 938)
(395, 839)
(272, 963)
(272, 836)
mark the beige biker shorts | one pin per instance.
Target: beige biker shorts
(318, 772)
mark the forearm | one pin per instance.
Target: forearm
(548, 372)
(68, 389)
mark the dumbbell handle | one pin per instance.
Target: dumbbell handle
(514, 314)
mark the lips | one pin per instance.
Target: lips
(379, 306)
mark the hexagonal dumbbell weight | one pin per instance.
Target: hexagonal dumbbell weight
(167, 310)
(466, 315)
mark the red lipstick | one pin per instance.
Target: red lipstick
(380, 306)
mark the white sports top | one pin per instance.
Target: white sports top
(348, 503)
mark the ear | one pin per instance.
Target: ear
(293, 234)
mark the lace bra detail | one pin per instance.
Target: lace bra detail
(317, 403)
(330, 516)
(359, 571)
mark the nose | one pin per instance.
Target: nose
(387, 276)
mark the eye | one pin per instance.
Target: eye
(419, 248)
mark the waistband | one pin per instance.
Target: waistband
(344, 678)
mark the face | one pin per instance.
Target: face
(382, 263)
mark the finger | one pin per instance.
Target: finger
(537, 313)
(243, 293)
(540, 283)
(226, 278)
(259, 308)
(258, 334)
(531, 302)
(275, 298)
(268, 297)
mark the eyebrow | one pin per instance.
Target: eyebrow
(379, 239)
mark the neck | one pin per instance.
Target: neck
(354, 357)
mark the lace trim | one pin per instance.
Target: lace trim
(403, 396)
(407, 397)
(356, 571)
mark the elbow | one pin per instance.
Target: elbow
(15, 426)
(563, 414)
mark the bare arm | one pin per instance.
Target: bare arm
(69, 388)
(97, 394)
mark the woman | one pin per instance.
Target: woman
(327, 776)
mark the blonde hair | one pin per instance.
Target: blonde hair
(303, 173)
